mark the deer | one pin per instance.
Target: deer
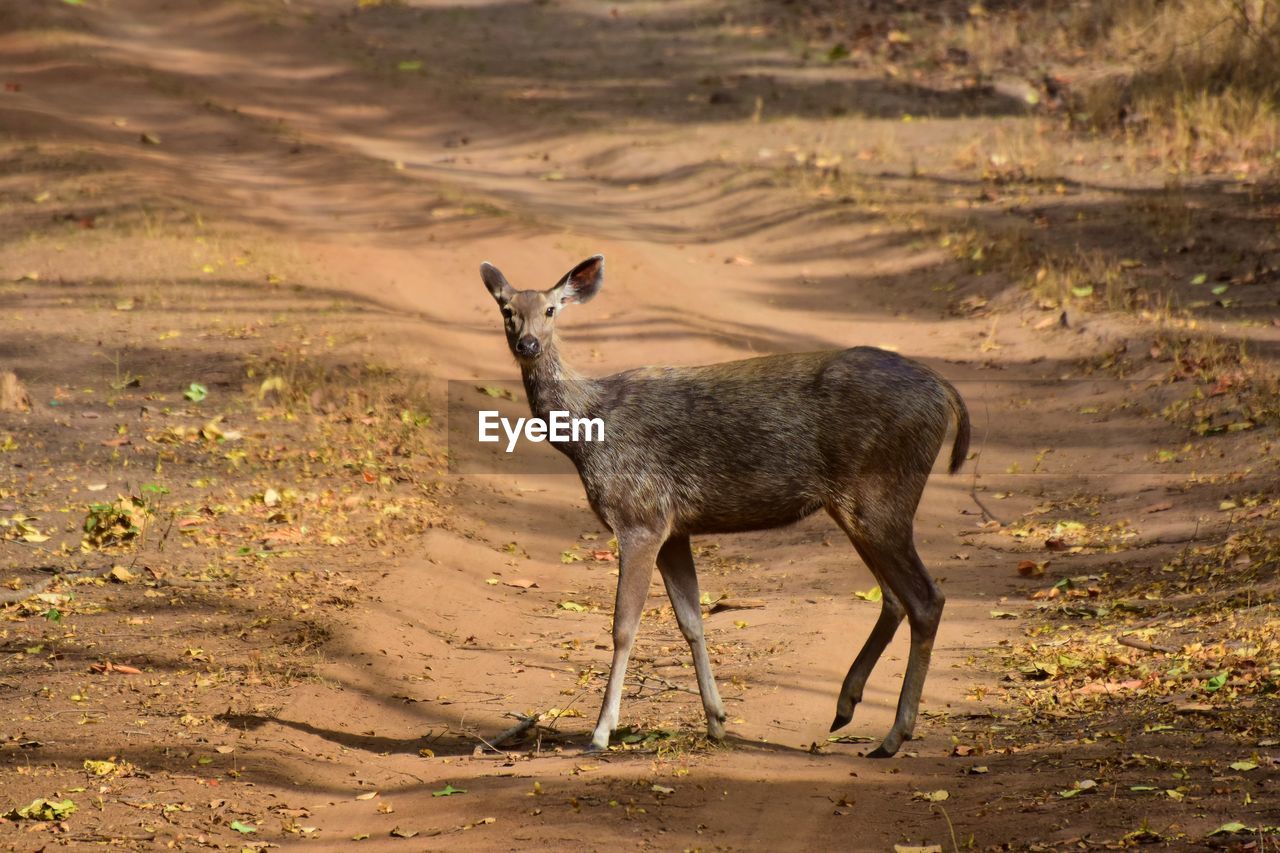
(747, 445)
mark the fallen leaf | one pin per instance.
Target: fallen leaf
(42, 809)
(1213, 685)
(367, 795)
(108, 666)
(556, 713)
(243, 828)
(1032, 569)
(448, 791)
(521, 583)
(1229, 828)
(1079, 788)
(873, 594)
(1096, 687)
(931, 796)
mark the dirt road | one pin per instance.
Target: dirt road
(381, 154)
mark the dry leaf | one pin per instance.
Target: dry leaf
(1031, 569)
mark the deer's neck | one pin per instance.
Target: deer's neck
(553, 385)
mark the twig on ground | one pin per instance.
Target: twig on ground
(1144, 646)
(491, 746)
(41, 586)
(515, 731)
(987, 514)
(643, 678)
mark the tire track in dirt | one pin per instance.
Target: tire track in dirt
(325, 180)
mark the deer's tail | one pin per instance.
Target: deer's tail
(960, 449)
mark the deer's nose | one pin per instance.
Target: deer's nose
(528, 346)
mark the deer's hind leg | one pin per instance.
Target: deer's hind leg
(885, 544)
(886, 626)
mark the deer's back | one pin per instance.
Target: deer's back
(761, 442)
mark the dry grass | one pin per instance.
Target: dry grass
(1195, 81)
(1200, 79)
(1202, 75)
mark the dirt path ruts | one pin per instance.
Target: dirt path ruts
(369, 176)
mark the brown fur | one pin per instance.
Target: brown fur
(748, 445)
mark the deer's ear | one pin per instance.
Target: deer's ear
(580, 283)
(496, 283)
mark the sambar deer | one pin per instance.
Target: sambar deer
(747, 445)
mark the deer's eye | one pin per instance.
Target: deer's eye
(551, 312)
(508, 313)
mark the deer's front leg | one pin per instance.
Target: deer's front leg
(637, 551)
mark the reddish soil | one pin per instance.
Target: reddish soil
(324, 617)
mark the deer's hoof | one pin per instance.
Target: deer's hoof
(841, 720)
(887, 749)
(715, 729)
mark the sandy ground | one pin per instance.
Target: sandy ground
(378, 156)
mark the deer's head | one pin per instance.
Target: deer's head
(530, 315)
